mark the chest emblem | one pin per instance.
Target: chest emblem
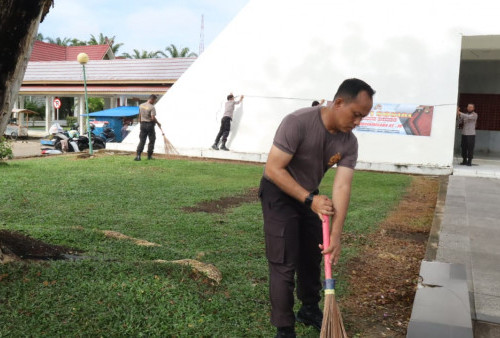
(334, 159)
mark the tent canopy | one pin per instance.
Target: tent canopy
(123, 111)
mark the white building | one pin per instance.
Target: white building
(283, 54)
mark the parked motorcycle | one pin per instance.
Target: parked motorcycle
(72, 141)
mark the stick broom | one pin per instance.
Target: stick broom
(169, 148)
(332, 326)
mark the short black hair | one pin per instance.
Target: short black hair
(152, 96)
(350, 88)
(315, 103)
(230, 96)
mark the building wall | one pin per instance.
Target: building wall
(284, 54)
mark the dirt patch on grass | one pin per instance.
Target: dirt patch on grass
(383, 278)
(119, 235)
(221, 205)
(17, 246)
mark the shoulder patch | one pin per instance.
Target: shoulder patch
(334, 159)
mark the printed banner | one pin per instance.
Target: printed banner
(402, 119)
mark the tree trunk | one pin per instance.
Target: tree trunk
(19, 20)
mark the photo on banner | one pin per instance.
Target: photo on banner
(402, 119)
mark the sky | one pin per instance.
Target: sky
(149, 25)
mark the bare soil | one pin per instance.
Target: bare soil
(18, 246)
(383, 278)
(221, 205)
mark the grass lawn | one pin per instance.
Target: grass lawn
(119, 290)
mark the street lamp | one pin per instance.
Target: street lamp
(83, 58)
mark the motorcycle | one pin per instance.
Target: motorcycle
(108, 134)
(72, 141)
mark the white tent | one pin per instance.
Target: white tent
(282, 54)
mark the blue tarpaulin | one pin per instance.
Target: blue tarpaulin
(123, 111)
(114, 117)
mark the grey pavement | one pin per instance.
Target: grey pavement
(470, 235)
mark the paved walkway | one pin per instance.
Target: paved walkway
(470, 235)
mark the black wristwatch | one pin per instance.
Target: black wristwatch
(309, 200)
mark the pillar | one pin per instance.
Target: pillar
(48, 113)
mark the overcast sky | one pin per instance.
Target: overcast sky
(144, 25)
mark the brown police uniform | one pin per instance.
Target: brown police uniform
(292, 230)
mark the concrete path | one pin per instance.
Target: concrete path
(470, 235)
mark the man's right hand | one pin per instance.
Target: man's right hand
(322, 205)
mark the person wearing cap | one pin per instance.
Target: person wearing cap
(225, 123)
(147, 119)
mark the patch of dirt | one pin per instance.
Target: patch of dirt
(119, 235)
(17, 246)
(221, 205)
(383, 279)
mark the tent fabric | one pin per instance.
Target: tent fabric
(123, 111)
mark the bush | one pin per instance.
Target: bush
(70, 121)
(5, 148)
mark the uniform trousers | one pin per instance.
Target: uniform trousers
(147, 131)
(292, 234)
(468, 142)
(225, 128)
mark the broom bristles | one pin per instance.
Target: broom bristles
(169, 148)
(332, 326)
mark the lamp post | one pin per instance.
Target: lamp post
(83, 58)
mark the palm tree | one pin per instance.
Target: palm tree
(104, 40)
(39, 37)
(174, 52)
(76, 42)
(144, 54)
(58, 41)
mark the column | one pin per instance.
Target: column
(48, 112)
(20, 117)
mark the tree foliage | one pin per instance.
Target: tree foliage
(175, 52)
(144, 54)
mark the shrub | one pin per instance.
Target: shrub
(5, 148)
(70, 120)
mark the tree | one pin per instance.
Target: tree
(16, 42)
(104, 40)
(173, 52)
(19, 21)
(58, 41)
(144, 54)
(76, 42)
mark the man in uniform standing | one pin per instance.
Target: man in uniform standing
(469, 120)
(147, 119)
(307, 143)
(225, 123)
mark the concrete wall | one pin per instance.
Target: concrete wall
(284, 54)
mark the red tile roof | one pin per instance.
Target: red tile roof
(43, 51)
(96, 52)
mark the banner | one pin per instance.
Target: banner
(402, 119)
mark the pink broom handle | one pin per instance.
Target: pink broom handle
(326, 244)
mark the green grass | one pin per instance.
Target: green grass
(119, 291)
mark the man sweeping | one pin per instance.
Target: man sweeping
(147, 119)
(225, 123)
(307, 143)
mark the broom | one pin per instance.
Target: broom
(332, 326)
(169, 148)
